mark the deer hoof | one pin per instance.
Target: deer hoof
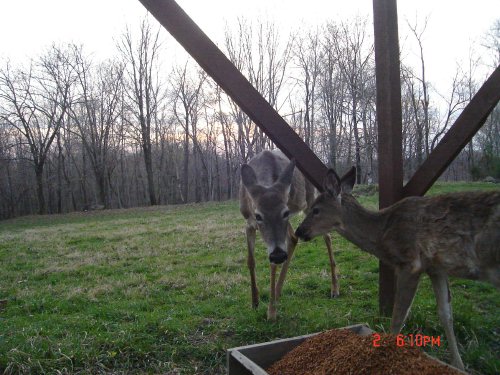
(255, 299)
(271, 315)
(334, 294)
(457, 362)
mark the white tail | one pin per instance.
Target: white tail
(271, 191)
(454, 234)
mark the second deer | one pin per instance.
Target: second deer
(449, 235)
(271, 192)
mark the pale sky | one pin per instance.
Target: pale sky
(28, 27)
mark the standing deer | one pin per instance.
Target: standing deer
(271, 192)
(454, 234)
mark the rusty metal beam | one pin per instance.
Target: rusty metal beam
(389, 119)
(467, 124)
(227, 76)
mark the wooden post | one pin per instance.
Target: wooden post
(390, 161)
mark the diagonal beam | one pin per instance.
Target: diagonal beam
(467, 124)
(227, 76)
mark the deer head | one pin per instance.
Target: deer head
(326, 212)
(271, 212)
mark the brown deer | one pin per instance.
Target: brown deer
(449, 235)
(271, 192)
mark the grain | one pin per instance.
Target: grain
(344, 352)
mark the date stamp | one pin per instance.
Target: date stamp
(418, 340)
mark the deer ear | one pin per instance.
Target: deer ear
(348, 180)
(248, 176)
(287, 174)
(331, 183)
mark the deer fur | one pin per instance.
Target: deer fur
(271, 191)
(454, 234)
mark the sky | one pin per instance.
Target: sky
(28, 27)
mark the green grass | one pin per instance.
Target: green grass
(166, 290)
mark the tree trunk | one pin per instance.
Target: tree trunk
(84, 180)
(149, 172)
(42, 208)
(60, 161)
(185, 176)
(357, 146)
(101, 186)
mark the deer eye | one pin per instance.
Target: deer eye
(258, 217)
(286, 214)
(315, 211)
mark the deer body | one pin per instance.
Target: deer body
(449, 235)
(458, 234)
(271, 192)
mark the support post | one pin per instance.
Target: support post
(389, 119)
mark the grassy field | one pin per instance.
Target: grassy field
(166, 290)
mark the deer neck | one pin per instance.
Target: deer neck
(361, 226)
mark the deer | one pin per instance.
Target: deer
(454, 234)
(271, 192)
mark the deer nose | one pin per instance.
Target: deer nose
(278, 256)
(301, 233)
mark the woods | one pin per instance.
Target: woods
(133, 130)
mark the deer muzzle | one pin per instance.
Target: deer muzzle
(302, 234)
(278, 256)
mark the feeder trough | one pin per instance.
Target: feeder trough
(254, 359)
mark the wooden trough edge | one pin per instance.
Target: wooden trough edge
(254, 359)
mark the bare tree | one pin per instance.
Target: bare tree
(333, 90)
(423, 126)
(349, 41)
(144, 89)
(308, 59)
(10, 169)
(95, 113)
(489, 135)
(35, 103)
(491, 43)
(228, 143)
(261, 55)
(187, 104)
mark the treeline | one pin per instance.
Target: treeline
(79, 134)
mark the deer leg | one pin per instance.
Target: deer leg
(443, 298)
(334, 290)
(271, 309)
(406, 288)
(250, 232)
(291, 243)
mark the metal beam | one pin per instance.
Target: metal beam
(227, 76)
(467, 124)
(389, 119)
